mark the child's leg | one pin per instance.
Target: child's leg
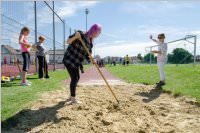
(23, 77)
(161, 71)
(46, 68)
(25, 66)
(40, 63)
(74, 74)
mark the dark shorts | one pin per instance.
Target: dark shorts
(26, 61)
(127, 62)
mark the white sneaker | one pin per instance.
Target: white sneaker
(29, 82)
(68, 99)
(73, 102)
(25, 84)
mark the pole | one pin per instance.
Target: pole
(195, 43)
(150, 55)
(35, 12)
(70, 31)
(64, 35)
(92, 60)
(86, 13)
(54, 42)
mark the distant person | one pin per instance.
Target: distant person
(75, 55)
(123, 62)
(102, 63)
(41, 56)
(162, 56)
(127, 60)
(114, 63)
(25, 48)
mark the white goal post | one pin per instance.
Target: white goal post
(194, 42)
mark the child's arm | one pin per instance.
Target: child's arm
(151, 37)
(73, 38)
(81, 68)
(34, 46)
(21, 38)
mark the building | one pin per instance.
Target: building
(8, 55)
(59, 54)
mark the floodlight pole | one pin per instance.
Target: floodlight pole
(54, 42)
(86, 13)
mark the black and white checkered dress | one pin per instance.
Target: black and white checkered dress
(75, 53)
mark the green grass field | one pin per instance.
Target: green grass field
(15, 97)
(181, 80)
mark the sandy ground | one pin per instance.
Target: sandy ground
(142, 109)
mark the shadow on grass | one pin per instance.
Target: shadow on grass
(151, 95)
(27, 119)
(32, 78)
(11, 84)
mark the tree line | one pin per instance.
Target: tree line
(178, 56)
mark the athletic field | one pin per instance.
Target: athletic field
(42, 108)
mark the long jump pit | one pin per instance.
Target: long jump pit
(141, 109)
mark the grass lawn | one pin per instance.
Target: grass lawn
(15, 97)
(182, 79)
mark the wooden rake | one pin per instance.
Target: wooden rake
(92, 60)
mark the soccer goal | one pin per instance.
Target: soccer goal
(187, 46)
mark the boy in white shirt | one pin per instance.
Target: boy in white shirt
(161, 57)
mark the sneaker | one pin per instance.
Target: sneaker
(73, 102)
(68, 99)
(25, 84)
(161, 83)
(47, 77)
(29, 82)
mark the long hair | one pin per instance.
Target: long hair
(93, 29)
(22, 32)
(24, 29)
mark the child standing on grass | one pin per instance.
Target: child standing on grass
(25, 47)
(162, 56)
(41, 56)
(75, 55)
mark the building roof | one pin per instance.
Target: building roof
(10, 49)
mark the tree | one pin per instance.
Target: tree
(180, 56)
(139, 56)
(147, 58)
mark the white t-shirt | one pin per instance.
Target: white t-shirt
(163, 49)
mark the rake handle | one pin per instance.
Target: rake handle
(92, 60)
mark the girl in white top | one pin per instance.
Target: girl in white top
(161, 57)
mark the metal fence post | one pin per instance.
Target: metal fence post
(54, 47)
(150, 56)
(35, 13)
(64, 35)
(195, 42)
(70, 31)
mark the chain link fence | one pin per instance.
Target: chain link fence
(40, 17)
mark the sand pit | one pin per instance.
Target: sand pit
(141, 110)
